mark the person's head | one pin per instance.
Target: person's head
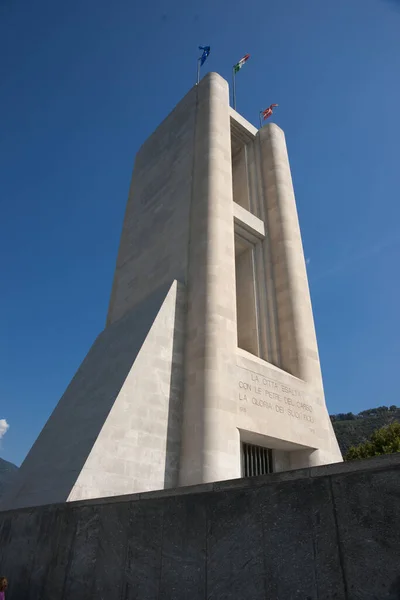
(3, 584)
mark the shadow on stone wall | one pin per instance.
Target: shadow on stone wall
(174, 427)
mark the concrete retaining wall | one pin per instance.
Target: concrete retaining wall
(315, 534)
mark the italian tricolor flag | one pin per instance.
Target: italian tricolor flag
(241, 62)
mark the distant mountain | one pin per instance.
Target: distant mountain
(7, 473)
(352, 430)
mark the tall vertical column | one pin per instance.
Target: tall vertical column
(210, 444)
(298, 343)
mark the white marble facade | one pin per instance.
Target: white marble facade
(210, 338)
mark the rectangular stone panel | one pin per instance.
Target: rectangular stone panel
(235, 564)
(300, 542)
(19, 535)
(109, 577)
(80, 583)
(59, 542)
(368, 517)
(143, 558)
(45, 528)
(183, 573)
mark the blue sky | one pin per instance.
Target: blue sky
(83, 83)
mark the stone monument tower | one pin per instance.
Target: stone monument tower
(208, 366)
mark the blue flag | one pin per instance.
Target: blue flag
(204, 56)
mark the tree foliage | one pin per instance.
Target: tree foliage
(352, 430)
(343, 417)
(385, 440)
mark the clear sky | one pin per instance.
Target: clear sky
(84, 82)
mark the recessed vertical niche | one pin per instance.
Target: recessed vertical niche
(240, 179)
(246, 307)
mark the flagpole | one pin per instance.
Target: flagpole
(198, 71)
(234, 87)
(261, 112)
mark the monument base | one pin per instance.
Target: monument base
(327, 532)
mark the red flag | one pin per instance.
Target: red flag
(268, 111)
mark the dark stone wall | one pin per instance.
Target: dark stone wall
(314, 534)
